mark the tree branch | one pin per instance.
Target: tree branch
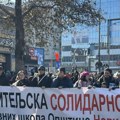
(33, 6)
(4, 9)
(29, 9)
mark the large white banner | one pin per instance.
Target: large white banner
(27, 103)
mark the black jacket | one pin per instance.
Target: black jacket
(107, 81)
(64, 82)
(23, 82)
(41, 81)
(3, 80)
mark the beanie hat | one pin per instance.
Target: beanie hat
(41, 68)
(84, 73)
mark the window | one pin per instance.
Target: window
(66, 48)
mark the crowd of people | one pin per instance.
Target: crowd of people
(105, 79)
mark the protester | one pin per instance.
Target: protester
(42, 79)
(103, 85)
(62, 81)
(84, 80)
(8, 74)
(21, 79)
(75, 76)
(107, 77)
(117, 78)
(97, 76)
(3, 79)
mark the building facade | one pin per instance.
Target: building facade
(85, 46)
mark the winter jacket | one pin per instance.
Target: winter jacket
(23, 82)
(64, 82)
(107, 81)
(42, 80)
(3, 80)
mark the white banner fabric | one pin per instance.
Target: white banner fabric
(32, 103)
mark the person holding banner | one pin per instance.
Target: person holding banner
(21, 79)
(3, 79)
(42, 79)
(107, 78)
(62, 81)
(84, 80)
(117, 78)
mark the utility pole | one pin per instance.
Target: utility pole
(99, 60)
(108, 40)
(109, 21)
(74, 54)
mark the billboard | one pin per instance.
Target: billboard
(79, 37)
(37, 54)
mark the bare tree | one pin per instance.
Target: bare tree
(46, 16)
